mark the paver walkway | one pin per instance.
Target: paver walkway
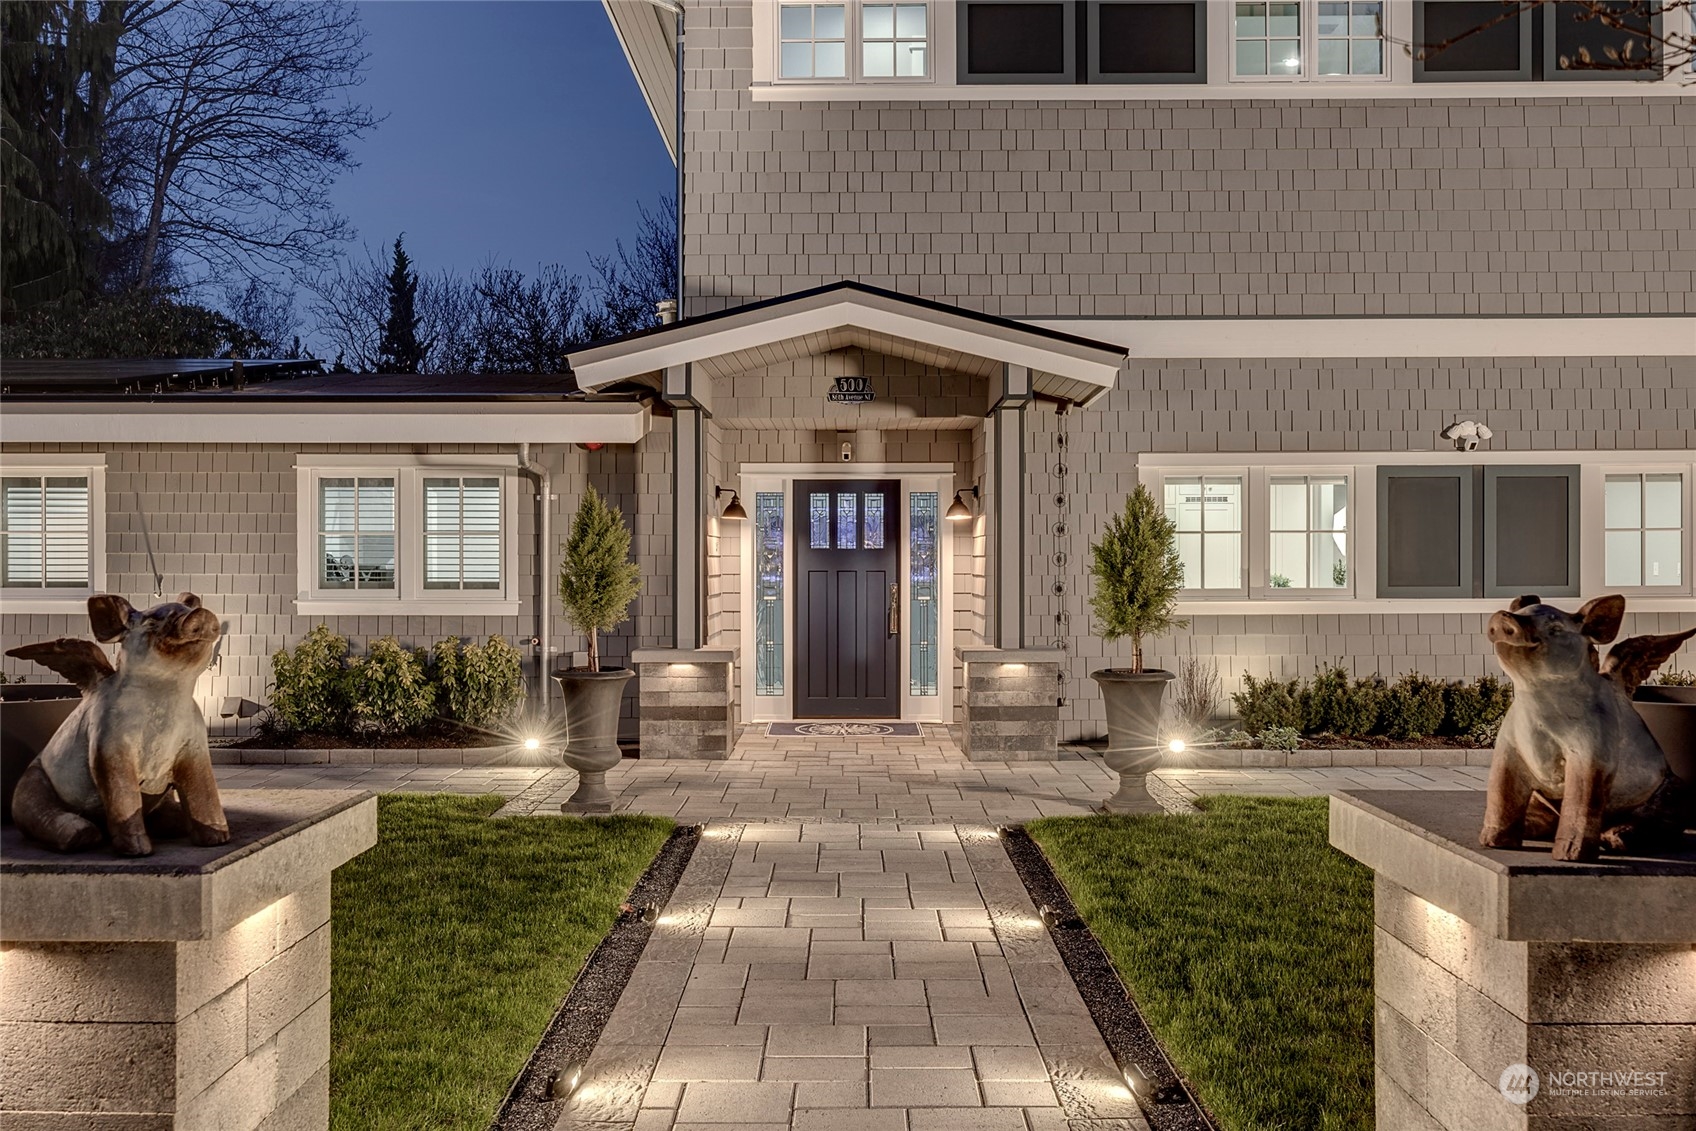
(850, 947)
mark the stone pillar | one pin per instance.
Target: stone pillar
(187, 989)
(687, 708)
(1012, 713)
(1494, 968)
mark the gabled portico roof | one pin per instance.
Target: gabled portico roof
(1063, 366)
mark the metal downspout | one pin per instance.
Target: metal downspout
(680, 313)
(544, 573)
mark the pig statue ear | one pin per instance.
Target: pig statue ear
(1524, 602)
(1601, 618)
(110, 617)
(188, 599)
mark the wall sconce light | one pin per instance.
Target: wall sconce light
(735, 512)
(958, 511)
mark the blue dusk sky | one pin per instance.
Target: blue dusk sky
(514, 131)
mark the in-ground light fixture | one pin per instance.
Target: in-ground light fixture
(532, 743)
(565, 1081)
(1177, 746)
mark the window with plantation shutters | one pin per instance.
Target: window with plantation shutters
(462, 532)
(45, 531)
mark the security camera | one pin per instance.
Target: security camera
(847, 451)
(1466, 434)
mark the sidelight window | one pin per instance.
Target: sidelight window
(923, 596)
(768, 593)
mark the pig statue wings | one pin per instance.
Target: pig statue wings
(136, 734)
(1573, 758)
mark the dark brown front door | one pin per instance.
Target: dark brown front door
(847, 573)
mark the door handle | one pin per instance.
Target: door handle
(894, 609)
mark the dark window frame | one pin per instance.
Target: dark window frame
(1092, 29)
(962, 41)
(1551, 55)
(1493, 475)
(1523, 73)
(1468, 524)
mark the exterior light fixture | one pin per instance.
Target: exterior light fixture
(1176, 746)
(735, 512)
(564, 1082)
(1144, 1087)
(532, 744)
(650, 912)
(1050, 917)
(958, 511)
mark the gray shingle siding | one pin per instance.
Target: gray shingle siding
(1250, 208)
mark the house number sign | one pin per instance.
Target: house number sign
(852, 390)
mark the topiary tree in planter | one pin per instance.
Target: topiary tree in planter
(1138, 576)
(597, 583)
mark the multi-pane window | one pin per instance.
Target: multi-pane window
(818, 517)
(45, 525)
(768, 593)
(1644, 530)
(1266, 38)
(1208, 513)
(356, 532)
(924, 594)
(1350, 37)
(812, 41)
(462, 532)
(894, 41)
(847, 520)
(1307, 546)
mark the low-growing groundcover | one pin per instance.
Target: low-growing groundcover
(453, 941)
(1246, 940)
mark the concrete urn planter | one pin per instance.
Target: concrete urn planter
(29, 715)
(1133, 702)
(1670, 713)
(592, 702)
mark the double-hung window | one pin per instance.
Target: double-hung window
(894, 41)
(1297, 39)
(1208, 513)
(52, 523)
(381, 535)
(1645, 518)
(812, 41)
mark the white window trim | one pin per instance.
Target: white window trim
(1395, 14)
(1362, 468)
(1593, 494)
(768, 47)
(1260, 533)
(1246, 520)
(22, 602)
(409, 597)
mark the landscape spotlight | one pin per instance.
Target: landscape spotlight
(1137, 1081)
(1050, 917)
(1176, 746)
(564, 1082)
(650, 912)
(532, 744)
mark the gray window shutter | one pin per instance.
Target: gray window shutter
(1531, 530)
(1425, 532)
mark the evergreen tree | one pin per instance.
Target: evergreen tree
(597, 579)
(57, 72)
(1138, 574)
(400, 350)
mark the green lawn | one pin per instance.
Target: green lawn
(453, 940)
(1247, 942)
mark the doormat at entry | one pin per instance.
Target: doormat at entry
(840, 729)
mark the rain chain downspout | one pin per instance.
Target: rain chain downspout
(544, 573)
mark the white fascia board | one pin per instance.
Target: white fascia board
(1264, 338)
(652, 355)
(154, 422)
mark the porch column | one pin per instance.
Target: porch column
(1007, 421)
(688, 509)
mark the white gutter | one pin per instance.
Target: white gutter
(182, 421)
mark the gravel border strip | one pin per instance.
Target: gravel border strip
(576, 1026)
(1109, 1001)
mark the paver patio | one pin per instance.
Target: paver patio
(850, 947)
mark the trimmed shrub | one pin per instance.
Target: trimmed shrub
(1269, 702)
(1414, 707)
(310, 689)
(1280, 738)
(1333, 704)
(1477, 708)
(477, 684)
(390, 689)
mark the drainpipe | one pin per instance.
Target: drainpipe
(544, 593)
(679, 155)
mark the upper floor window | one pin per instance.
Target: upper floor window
(1291, 39)
(813, 41)
(894, 41)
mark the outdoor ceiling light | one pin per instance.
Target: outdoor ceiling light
(958, 511)
(735, 512)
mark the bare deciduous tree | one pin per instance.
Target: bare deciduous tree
(234, 117)
(351, 305)
(630, 283)
(267, 314)
(1636, 37)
